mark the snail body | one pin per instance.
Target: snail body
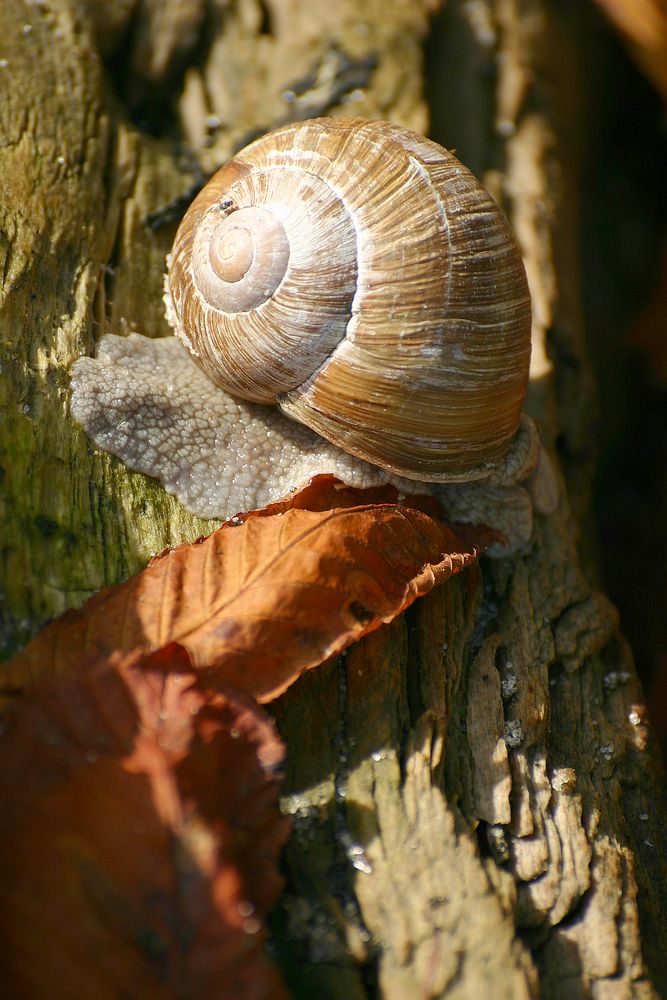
(360, 278)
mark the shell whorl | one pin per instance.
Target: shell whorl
(361, 277)
(239, 257)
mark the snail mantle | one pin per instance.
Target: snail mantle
(347, 299)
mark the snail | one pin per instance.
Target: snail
(355, 304)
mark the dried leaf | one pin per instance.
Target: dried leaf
(140, 837)
(328, 493)
(269, 595)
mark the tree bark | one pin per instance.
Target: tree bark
(476, 803)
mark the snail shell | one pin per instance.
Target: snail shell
(360, 277)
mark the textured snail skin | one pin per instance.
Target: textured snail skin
(448, 384)
(146, 402)
(359, 276)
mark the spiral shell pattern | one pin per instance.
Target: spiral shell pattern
(360, 277)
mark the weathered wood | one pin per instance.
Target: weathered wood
(476, 808)
(77, 260)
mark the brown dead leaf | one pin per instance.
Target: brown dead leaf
(643, 24)
(139, 839)
(267, 596)
(328, 493)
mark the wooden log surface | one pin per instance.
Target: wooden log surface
(477, 807)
